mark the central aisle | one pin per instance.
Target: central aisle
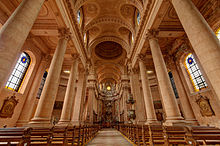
(109, 137)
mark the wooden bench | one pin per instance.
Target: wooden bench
(42, 136)
(174, 135)
(19, 136)
(202, 135)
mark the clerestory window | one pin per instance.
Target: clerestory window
(15, 80)
(194, 72)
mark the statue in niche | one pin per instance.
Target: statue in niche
(8, 107)
(205, 106)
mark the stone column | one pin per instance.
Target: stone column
(204, 41)
(125, 88)
(70, 93)
(139, 101)
(14, 33)
(149, 105)
(28, 107)
(184, 100)
(91, 96)
(80, 93)
(44, 109)
(169, 101)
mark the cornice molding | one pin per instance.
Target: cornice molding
(145, 17)
(136, 3)
(76, 26)
(107, 19)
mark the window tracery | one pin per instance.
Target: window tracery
(15, 80)
(194, 72)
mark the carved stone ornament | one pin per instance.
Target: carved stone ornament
(8, 107)
(152, 34)
(64, 33)
(205, 106)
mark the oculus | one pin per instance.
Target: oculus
(108, 50)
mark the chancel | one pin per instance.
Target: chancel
(109, 72)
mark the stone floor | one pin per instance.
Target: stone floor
(109, 137)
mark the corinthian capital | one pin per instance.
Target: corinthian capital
(141, 57)
(152, 34)
(64, 33)
(75, 57)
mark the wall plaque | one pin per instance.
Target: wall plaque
(8, 107)
(205, 106)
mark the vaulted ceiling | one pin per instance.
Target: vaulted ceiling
(108, 34)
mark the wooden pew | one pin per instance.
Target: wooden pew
(42, 136)
(156, 135)
(202, 135)
(19, 136)
(174, 135)
(147, 140)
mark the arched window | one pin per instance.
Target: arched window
(218, 34)
(194, 72)
(132, 38)
(18, 74)
(138, 18)
(173, 84)
(42, 84)
(85, 38)
(79, 16)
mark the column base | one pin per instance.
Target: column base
(191, 122)
(40, 122)
(152, 122)
(171, 121)
(141, 122)
(75, 123)
(64, 123)
(22, 123)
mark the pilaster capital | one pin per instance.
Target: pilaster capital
(183, 49)
(75, 57)
(135, 71)
(170, 63)
(141, 57)
(91, 86)
(46, 58)
(152, 34)
(64, 33)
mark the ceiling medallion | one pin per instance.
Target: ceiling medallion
(108, 50)
(91, 8)
(127, 10)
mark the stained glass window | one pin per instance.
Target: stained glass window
(42, 84)
(138, 18)
(173, 84)
(78, 16)
(132, 38)
(218, 34)
(194, 72)
(17, 76)
(85, 38)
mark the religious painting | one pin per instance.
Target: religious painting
(8, 107)
(205, 106)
